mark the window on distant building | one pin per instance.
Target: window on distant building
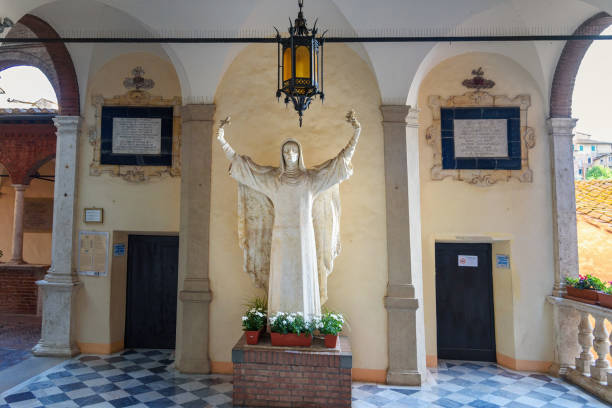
(579, 171)
(592, 148)
(581, 147)
(589, 161)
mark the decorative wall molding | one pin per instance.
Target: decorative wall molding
(136, 98)
(484, 99)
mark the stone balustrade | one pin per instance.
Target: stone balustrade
(589, 371)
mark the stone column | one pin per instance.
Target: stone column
(17, 255)
(194, 290)
(60, 285)
(404, 300)
(565, 239)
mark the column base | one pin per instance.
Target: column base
(58, 323)
(404, 378)
(46, 350)
(191, 355)
(193, 365)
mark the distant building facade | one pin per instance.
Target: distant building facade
(589, 152)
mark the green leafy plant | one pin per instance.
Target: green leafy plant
(330, 323)
(585, 282)
(254, 319)
(285, 323)
(608, 290)
(598, 173)
(258, 302)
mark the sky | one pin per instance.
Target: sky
(26, 84)
(591, 103)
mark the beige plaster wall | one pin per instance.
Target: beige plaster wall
(143, 207)
(519, 213)
(36, 245)
(259, 125)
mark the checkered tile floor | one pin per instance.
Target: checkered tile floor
(145, 378)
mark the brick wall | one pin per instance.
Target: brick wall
(296, 377)
(18, 289)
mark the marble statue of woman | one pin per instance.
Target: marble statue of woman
(289, 218)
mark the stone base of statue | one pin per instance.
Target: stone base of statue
(265, 375)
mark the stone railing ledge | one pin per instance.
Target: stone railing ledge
(584, 307)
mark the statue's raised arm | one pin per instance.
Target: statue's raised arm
(227, 149)
(349, 150)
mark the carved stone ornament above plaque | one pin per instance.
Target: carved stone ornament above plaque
(135, 173)
(478, 163)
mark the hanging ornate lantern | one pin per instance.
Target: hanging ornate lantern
(300, 64)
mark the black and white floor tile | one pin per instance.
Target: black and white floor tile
(146, 378)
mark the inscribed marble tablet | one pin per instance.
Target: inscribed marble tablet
(481, 138)
(137, 135)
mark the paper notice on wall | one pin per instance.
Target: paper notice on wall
(467, 260)
(93, 253)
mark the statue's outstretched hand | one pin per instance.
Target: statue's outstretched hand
(220, 131)
(352, 119)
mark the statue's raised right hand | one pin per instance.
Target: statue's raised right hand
(220, 131)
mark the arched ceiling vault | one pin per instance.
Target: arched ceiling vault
(398, 68)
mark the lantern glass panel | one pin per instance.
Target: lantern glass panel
(287, 64)
(302, 62)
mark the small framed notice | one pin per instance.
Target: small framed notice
(93, 215)
(467, 260)
(502, 261)
(93, 253)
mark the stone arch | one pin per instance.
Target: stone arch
(55, 62)
(569, 62)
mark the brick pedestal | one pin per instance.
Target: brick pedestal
(270, 376)
(18, 290)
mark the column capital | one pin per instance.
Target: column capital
(561, 126)
(198, 112)
(400, 114)
(66, 124)
(20, 187)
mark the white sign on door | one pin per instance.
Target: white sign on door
(467, 260)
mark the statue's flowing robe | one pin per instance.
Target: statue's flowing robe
(289, 230)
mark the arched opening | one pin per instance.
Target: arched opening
(38, 82)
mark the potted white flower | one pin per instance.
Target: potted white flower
(253, 322)
(330, 325)
(291, 329)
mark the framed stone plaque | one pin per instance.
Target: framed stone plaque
(137, 136)
(486, 138)
(480, 138)
(38, 214)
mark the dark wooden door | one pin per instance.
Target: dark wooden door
(152, 280)
(464, 302)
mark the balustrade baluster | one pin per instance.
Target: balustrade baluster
(599, 370)
(610, 372)
(585, 339)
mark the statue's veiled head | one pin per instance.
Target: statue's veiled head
(291, 155)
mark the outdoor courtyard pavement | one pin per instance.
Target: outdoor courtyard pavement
(18, 334)
(145, 378)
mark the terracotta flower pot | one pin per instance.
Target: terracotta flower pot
(331, 340)
(252, 336)
(581, 295)
(291, 339)
(605, 300)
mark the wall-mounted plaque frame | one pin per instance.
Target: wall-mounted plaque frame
(480, 138)
(137, 136)
(93, 215)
